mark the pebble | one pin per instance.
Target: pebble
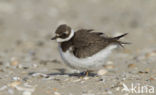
(118, 88)
(20, 66)
(39, 74)
(26, 93)
(11, 91)
(86, 78)
(142, 72)
(55, 89)
(3, 87)
(14, 84)
(110, 62)
(16, 78)
(110, 92)
(14, 62)
(27, 90)
(110, 66)
(151, 79)
(35, 65)
(131, 65)
(150, 54)
(57, 93)
(102, 72)
(77, 80)
(2, 70)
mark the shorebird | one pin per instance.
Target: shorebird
(84, 49)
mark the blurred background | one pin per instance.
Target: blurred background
(34, 20)
(26, 27)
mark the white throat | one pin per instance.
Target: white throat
(66, 39)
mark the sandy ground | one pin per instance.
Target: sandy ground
(30, 63)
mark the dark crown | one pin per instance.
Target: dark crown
(63, 31)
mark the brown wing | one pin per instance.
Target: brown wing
(87, 43)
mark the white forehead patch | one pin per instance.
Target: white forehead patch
(66, 39)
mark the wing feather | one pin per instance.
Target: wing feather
(86, 44)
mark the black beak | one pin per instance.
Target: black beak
(54, 38)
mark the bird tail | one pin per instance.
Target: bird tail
(118, 37)
(121, 43)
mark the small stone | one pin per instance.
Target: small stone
(20, 66)
(11, 91)
(27, 93)
(55, 89)
(31, 73)
(118, 88)
(151, 79)
(25, 79)
(57, 93)
(77, 80)
(3, 87)
(102, 72)
(131, 65)
(35, 65)
(110, 62)
(86, 78)
(25, 67)
(110, 92)
(110, 66)
(16, 78)
(14, 62)
(141, 72)
(39, 75)
(150, 54)
(14, 84)
(1, 70)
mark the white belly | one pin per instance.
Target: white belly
(88, 63)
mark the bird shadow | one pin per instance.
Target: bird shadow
(62, 71)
